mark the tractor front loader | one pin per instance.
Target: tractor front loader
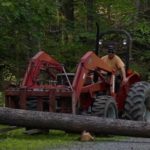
(47, 87)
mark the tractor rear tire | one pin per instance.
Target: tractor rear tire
(105, 106)
(137, 105)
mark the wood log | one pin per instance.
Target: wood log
(73, 123)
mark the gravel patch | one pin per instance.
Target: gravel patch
(125, 144)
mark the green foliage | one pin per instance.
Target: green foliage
(142, 32)
(30, 25)
(140, 63)
(118, 13)
(23, 27)
(70, 55)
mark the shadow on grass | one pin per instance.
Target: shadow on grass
(53, 135)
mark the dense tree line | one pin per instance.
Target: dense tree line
(66, 29)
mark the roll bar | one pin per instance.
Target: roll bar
(128, 43)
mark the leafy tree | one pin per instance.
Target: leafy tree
(66, 29)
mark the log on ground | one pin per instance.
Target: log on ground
(73, 123)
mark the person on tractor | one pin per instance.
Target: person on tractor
(115, 62)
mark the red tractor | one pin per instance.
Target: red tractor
(46, 86)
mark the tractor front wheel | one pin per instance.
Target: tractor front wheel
(105, 106)
(137, 105)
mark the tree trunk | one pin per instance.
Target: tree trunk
(67, 10)
(90, 14)
(138, 9)
(73, 123)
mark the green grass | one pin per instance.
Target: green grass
(17, 140)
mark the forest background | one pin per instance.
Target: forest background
(66, 30)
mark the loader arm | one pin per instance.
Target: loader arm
(89, 62)
(41, 61)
